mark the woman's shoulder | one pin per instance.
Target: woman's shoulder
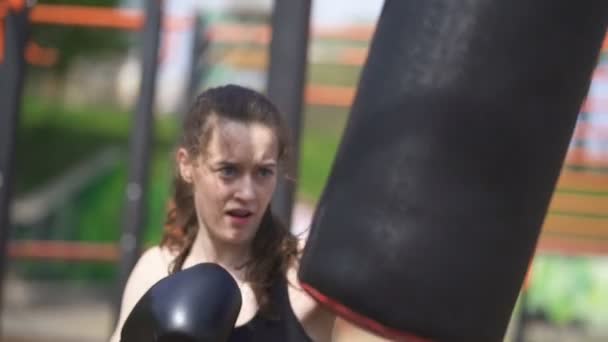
(158, 254)
(154, 262)
(152, 266)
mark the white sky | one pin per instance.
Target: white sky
(324, 12)
(340, 12)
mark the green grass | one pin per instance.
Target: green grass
(331, 74)
(323, 127)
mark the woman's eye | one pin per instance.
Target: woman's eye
(266, 172)
(228, 171)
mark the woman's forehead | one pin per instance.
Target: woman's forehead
(237, 140)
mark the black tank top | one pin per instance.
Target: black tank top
(284, 326)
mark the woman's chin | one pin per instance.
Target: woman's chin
(238, 236)
(238, 232)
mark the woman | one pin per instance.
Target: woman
(234, 143)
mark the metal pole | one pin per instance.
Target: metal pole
(197, 70)
(286, 81)
(12, 70)
(140, 146)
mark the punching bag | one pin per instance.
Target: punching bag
(453, 147)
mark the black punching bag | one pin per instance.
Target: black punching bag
(455, 141)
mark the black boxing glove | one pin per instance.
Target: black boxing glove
(198, 304)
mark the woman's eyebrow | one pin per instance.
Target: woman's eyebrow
(268, 164)
(225, 162)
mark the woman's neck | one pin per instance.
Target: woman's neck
(230, 256)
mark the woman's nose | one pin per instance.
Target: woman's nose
(246, 189)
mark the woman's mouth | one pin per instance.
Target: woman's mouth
(239, 216)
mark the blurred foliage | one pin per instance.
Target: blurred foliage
(569, 289)
(558, 286)
(75, 41)
(52, 137)
(96, 216)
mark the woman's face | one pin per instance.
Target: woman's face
(233, 178)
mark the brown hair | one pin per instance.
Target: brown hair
(274, 248)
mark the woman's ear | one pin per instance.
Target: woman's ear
(184, 165)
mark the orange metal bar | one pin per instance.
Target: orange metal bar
(600, 72)
(579, 203)
(579, 156)
(342, 96)
(239, 33)
(1, 40)
(4, 6)
(550, 243)
(125, 19)
(16, 5)
(322, 95)
(40, 56)
(261, 34)
(63, 250)
(102, 17)
(361, 33)
(595, 106)
(353, 56)
(583, 181)
(592, 228)
(589, 131)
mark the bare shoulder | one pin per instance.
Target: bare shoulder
(316, 320)
(152, 266)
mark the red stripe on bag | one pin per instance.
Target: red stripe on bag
(361, 320)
